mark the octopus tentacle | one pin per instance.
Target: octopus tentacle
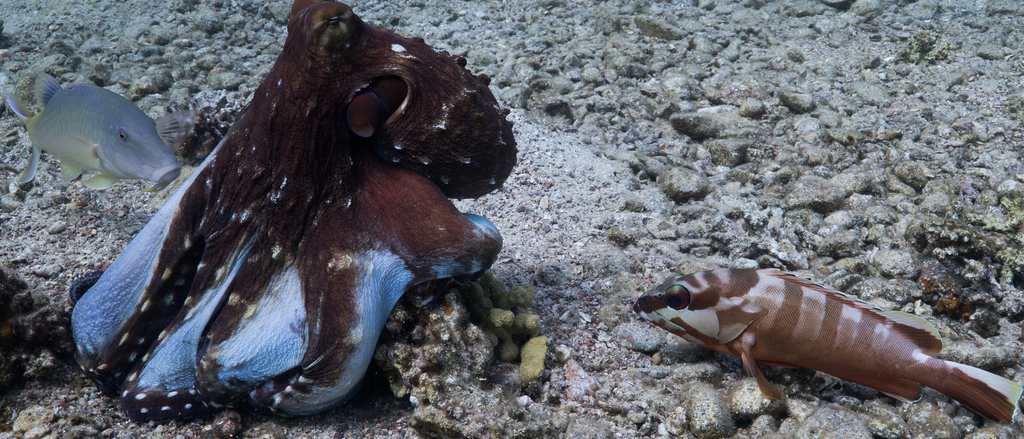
(169, 369)
(102, 323)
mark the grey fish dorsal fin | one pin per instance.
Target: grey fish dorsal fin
(174, 128)
(44, 89)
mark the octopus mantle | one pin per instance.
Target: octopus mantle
(268, 276)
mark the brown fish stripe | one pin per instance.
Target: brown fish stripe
(782, 319)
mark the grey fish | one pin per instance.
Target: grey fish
(91, 128)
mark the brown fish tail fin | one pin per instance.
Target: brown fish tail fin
(991, 395)
(768, 389)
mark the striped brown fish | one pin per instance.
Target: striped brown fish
(780, 319)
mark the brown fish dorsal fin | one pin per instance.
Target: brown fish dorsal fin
(914, 328)
(44, 89)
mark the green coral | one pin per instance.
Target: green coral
(502, 313)
(533, 353)
(925, 48)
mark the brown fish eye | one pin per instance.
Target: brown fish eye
(334, 20)
(677, 297)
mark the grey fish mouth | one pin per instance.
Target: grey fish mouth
(165, 175)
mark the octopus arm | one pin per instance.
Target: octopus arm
(105, 319)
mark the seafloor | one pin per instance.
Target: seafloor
(871, 145)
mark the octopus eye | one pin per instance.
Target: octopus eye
(332, 27)
(677, 297)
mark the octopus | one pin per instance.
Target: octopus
(267, 277)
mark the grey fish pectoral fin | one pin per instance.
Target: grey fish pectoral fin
(29, 172)
(770, 390)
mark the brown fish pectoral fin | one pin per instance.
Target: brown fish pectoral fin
(770, 390)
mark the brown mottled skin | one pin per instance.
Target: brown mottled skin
(294, 182)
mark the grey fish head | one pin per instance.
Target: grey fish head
(133, 149)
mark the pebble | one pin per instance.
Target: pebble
(698, 126)
(657, 28)
(682, 184)
(225, 80)
(833, 422)
(885, 423)
(31, 418)
(896, 264)
(641, 337)
(816, 193)
(728, 152)
(841, 243)
(797, 102)
(707, 412)
(748, 402)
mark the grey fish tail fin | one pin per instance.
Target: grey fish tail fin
(44, 89)
(17, 107)
(991, 395)
(29, 172)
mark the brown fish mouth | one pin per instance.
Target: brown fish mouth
(645, 306)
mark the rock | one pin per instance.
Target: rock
(641, 337)
(896, 264)
(682, 184)
(678, 350)
(592, 75)
(815, 193)
(994, 431)
(32, 418)
(796, 101)
(707, 412)
(579, 382)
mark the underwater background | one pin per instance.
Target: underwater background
(873, 146)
